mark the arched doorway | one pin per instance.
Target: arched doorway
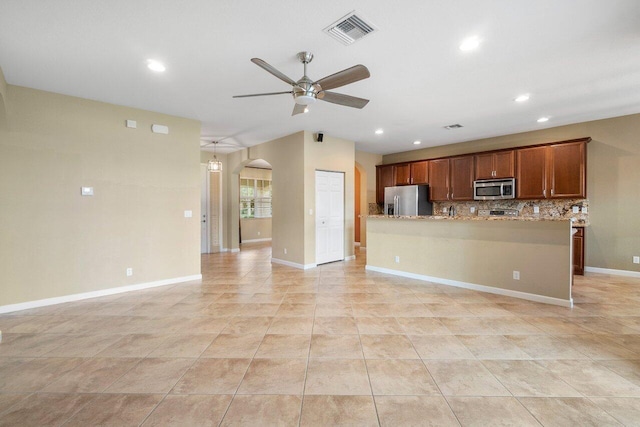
(255, 202)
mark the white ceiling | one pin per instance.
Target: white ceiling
(579, 60)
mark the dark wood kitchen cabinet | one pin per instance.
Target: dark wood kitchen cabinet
(420, 173)
(439, 180)
(461, 178)
(384, 178)
(578, 251)
(402, 174)
(451, 179)
(500, 164)
(411, 173)
(552, 172)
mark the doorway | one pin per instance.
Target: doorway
(329, 216)
(205, 211)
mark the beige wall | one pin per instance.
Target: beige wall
(333, 155)
(366, 162)
(53, 242)
(613, 181)
(294, 160)
(3, 95)
(478, 252)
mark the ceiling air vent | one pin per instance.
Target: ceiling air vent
(350, 28)
(456, 126)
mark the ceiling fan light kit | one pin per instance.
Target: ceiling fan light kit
(306, 91)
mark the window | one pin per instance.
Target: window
(255, 198)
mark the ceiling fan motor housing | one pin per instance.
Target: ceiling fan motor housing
(306, 92)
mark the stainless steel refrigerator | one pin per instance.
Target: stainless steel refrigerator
(407, 200)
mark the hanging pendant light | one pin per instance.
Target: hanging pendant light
(214, 165)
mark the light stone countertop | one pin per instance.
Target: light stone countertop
(577, 223)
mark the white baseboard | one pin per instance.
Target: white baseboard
(293, 264)
(626, 273)
(101, 293)
(475, 287)
(350, 257)
(268, 239)
(233, 250)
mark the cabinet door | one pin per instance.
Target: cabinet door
(462, 172)
(402, 174)
(384, 178)
(567, 170)
(504, 164)
(484, 166)
(578, 251)
(531, 173)
(439, 180)
(420, 172)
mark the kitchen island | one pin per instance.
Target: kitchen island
(480, 253)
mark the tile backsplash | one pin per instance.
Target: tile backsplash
(558, 208)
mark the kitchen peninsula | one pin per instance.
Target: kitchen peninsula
(484, 254)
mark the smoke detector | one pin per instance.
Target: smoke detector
(350, 28)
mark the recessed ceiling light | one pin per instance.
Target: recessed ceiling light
(417, 142)
(156, 66)
(522, 98)
(379, 131)
(543, 119)
(470, 43)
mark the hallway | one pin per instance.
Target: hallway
(257, 343)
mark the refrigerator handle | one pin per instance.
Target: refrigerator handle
(396, 205)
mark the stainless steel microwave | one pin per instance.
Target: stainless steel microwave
(494, 189)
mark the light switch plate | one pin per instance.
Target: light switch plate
(575, 209)
(86, 191)
(188, 214)
(472, 209)
(584, 209)
(636, 259)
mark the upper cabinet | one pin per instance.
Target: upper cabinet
(500, 164)
(461, 176)
(411, 173)
(384, 178)
(420, 173)
(552, 171)
(402, 174)
(439, 179)
(451, 179)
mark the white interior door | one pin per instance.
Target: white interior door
(204, 209)
(329, 216)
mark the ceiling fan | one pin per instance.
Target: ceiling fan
(306, 91)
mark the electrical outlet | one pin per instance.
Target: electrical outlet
(445, 210)
(575, 209)
(536, 209)
(584, 209)
(397, 258)
(129, 271)
(636, 259)
(472, 209)
(516, 275)
(285, 251)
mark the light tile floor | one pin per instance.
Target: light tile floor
(258, 344)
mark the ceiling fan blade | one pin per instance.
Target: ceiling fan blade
(263, 94)
(260, 63)
(341, 99)
(344, 77)
(298, 109)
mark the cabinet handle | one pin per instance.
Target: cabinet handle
(412, 180)
(552, 192)
(544, 193)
